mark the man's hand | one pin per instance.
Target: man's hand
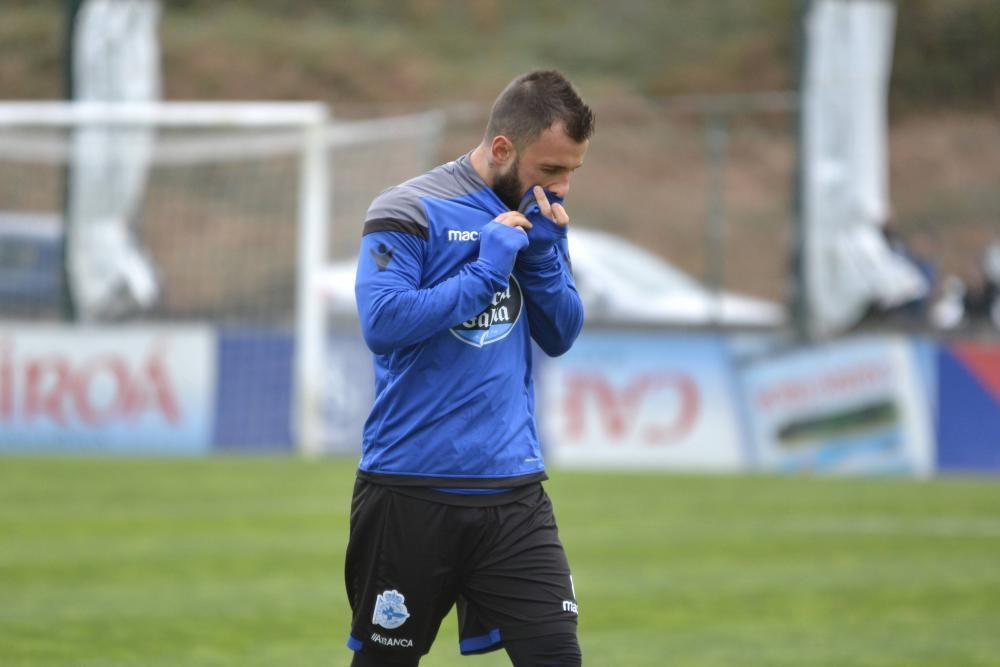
(548, 220)
(553, 211)
(514, 219)
(501, 239)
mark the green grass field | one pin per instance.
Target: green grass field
(238, 561)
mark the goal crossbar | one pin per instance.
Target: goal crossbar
(163, 114)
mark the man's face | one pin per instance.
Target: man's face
(549, 161)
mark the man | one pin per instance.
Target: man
(459, 270)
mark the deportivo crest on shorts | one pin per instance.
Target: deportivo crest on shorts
(390, 612)
(496, 321)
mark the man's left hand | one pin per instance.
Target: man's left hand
(549, 221)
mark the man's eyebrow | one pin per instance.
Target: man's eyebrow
(556, 165)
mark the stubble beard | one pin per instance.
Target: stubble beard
(507, 186)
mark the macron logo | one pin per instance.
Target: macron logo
(462, 235)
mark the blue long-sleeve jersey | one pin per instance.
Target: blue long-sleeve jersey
(451, 335)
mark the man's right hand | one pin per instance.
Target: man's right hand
(502, 238)
(514, 219)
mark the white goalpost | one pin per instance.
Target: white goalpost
(219, 213)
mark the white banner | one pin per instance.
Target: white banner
(847, 264)
(137, 388)
(116, 59)
(641, 401)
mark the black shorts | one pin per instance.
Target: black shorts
(410, 559)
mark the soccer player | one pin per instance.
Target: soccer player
(459, 270)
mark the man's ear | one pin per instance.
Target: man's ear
(502, 151)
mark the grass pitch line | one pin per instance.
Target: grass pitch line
(940, 527)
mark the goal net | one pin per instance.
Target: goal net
(217, 214)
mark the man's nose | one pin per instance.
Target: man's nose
(560, 187)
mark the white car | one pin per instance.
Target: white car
(620, 283)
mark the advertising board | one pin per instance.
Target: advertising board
(851, 406)
(103, 389)
(633, 400)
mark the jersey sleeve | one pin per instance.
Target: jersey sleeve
(393, 308)
(554, 308)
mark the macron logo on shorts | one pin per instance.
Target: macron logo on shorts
(570, 605)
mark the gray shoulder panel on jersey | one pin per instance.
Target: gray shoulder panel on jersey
(399, 203)
(402, 204)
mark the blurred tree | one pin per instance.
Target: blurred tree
(947, 53)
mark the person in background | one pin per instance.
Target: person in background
(981, 294)
(920, 249)
(973, 297)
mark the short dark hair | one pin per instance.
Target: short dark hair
(532, 102)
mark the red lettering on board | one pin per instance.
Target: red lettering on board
(98, 391)
(673, 397)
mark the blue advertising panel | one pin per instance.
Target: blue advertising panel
(969, 408)
(254, 391)
(348, 391)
